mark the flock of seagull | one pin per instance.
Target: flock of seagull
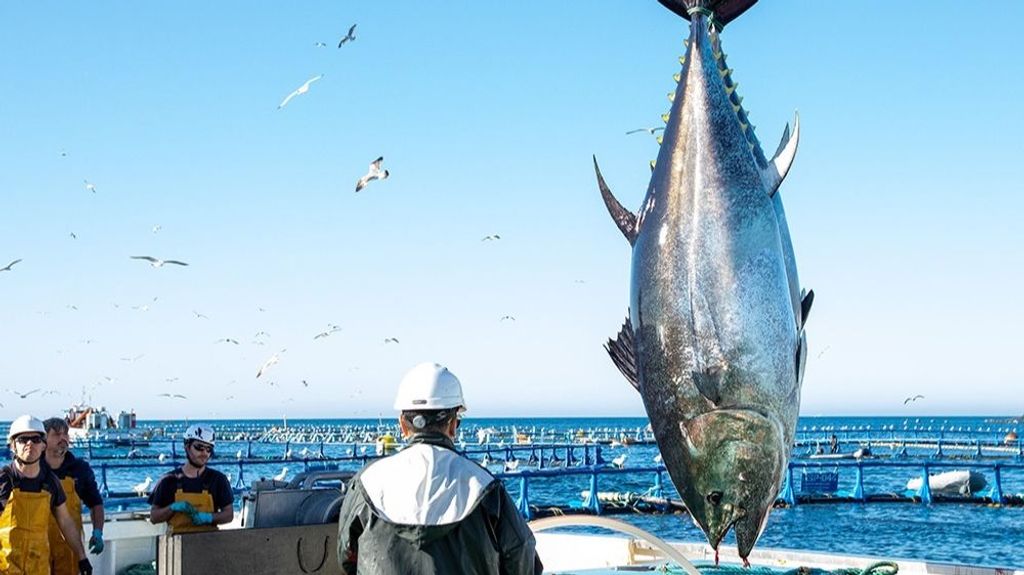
(375, 171)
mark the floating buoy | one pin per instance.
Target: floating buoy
(386, 444)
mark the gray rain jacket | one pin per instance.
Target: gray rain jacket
(429, 510)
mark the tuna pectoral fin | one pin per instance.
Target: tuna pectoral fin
(783, 160)
(624, 218)
(805, 307)
(623, 354)
(709, 383)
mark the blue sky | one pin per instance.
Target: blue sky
(904, 202)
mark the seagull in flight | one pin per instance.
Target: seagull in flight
(648, 130)
(320, 44)
(157, 262)
(490, 237)
(199, 315)
(915, 398)
(331, 328)
(268, 364)
(8, 267)
(133, 359)
(351, 36)
(90, 186)
(391, 340)
(227, 340)
(504, 317)
(299, 91)
(373, 173)
(157, 228)
(25, 394)
(172, 395)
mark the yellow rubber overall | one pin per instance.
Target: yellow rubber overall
(62, 559)
(181, 522)
(24, 545)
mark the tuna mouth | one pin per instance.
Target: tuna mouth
(717, 539)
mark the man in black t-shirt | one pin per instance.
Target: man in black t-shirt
(193, 497)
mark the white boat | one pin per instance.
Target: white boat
(956, 482)
(90, 422)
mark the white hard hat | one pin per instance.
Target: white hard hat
(25, 424)
(429, 386)
(199, 432)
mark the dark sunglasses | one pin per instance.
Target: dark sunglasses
(26, 439)
(200, 447)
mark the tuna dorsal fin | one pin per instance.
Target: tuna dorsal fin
(709, 383)
(623, 353)
(783, 160)
(806, 299)
(625, 219)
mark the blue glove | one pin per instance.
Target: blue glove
(202, 518)
(96, 542)
(182, 507)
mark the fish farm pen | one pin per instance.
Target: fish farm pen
(592, 477)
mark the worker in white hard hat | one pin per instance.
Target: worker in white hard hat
(193, 497)
(427, 509)
(29, 495)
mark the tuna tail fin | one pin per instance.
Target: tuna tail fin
(624, 218)
(783, 160)
(724, 11)
(623, 354)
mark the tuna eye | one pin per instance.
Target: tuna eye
(715, 497)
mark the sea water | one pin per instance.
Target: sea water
(950, 532)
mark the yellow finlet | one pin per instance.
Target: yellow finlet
(677, 76)
(664, 118)
(671, 96)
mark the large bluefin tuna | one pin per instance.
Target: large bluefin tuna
(714, 341)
